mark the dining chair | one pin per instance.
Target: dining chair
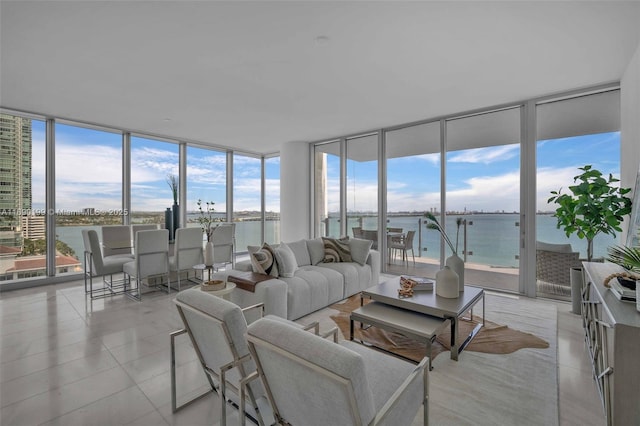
(310, 380)
(224, 243)
(141, 227)
(151, 260)
(217, 329)
(116, 240)
(187, 251)
(95, 265)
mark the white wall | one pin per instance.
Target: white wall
(630, 124)
(295, 179)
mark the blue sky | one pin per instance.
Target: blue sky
(88, 165)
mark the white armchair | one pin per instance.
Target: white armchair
(217, 331)
(313, 381)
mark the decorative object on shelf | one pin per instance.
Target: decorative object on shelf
(595, 205)
(454, 262)
(629, 259)
(447, 283)
(206, 221)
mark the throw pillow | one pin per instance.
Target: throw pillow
(263, 261)
(316, 250)
(301, 252)
(336, 250)
(287, 263)
(360, 250)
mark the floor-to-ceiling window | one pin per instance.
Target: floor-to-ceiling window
(206, 182)
(326, 177)
(88, 186)
(153, 164)
(362, 186)
(22, 200)
(247, 205)
(571, 133)
(413, 188)
(483, 195)
(272, 200)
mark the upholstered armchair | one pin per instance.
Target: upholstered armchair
(313, 381)
(217, 329)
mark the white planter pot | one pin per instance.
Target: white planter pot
(447, 283)
(457, 265)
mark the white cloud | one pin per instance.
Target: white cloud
(486, 155)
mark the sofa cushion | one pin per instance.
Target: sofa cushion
(360, 250)
(301, 252)
(263, 261)
(336, 250)
(286, 260)
(316, 250)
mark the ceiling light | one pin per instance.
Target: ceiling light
(322, 40)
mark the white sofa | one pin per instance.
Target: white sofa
(311, 284)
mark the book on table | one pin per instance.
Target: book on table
(622, 293)
(416, 283)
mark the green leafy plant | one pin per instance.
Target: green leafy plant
(627, 257)
(595, 205)
(206, 219)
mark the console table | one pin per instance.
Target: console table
(612, 337)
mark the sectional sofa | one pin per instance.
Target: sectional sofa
(307, 275)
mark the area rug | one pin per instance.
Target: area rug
(518, 388)
(492, 338)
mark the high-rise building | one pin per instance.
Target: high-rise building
(15, 176)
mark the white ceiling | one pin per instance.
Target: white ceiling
(253, 75)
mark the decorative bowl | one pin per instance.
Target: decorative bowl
(213, 285)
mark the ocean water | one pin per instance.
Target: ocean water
(492, 239)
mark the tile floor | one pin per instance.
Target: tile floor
(69, 361)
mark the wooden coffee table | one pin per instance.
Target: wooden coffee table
(428, 303)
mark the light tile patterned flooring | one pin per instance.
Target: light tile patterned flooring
(69, 361)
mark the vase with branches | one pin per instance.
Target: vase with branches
(172, 181)
(206, 219)
(454, 262)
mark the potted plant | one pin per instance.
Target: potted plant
(595, 205)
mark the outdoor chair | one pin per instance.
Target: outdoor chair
(403, 244)
(313, 381)
(187, 251)
(95, 265)
(217, 329)
(553, 268)
(357, 232)
(372, 235)
(151, 261)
